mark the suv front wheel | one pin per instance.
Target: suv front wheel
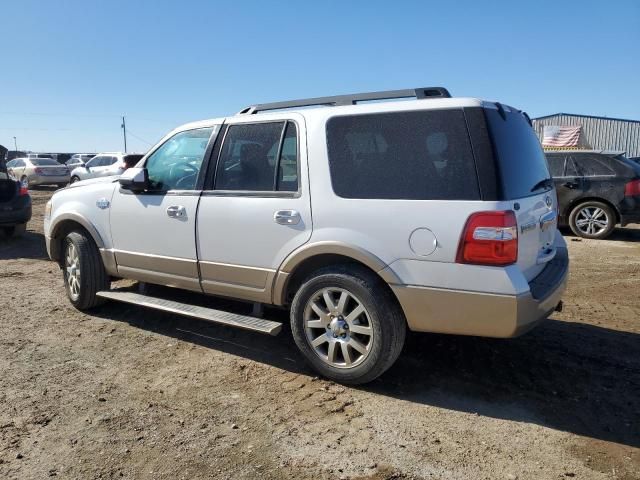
(83, 271)
(592, 220)
(347, 324)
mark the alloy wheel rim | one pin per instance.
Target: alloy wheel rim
(592, 220)
(338, 327)
(72, 267)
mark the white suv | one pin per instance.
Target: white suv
(363, 218)
(104, 165)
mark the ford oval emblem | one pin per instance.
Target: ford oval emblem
(548, 201)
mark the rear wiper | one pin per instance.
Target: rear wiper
(547, 182)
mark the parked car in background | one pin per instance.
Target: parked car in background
(79, 159)
(53, 156)
(596, 190)
(435, 214)
(105, 165)
(15, 204)
(38, 171)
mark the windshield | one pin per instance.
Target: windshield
(43, 162)
(521, 161)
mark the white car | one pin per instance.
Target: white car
(435, 214)
(105, 165)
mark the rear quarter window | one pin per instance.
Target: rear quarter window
(521, 161)
(417, 155)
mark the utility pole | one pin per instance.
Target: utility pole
(15, 143)
(124, 133)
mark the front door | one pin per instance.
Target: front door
(257, 209)
(153, 232)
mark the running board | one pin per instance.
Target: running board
(194, 311)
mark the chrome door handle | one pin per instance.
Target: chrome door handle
(176, 211)
(286, 217)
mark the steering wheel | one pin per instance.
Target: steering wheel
(181, 171)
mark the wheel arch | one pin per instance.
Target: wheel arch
(297, 266)
(578, 201)
(67, 223)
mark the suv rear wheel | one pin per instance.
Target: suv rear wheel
(83, 271)
(592, 220)
(347, 324)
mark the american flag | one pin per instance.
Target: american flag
(557, 136)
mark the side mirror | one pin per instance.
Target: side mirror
(134, 179)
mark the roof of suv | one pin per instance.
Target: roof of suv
(392, 100)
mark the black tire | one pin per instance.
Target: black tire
(15, 230)
(384, 315)
(579, 214)
(73, 179)
(61, 185)
(93, 277)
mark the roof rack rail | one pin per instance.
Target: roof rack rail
(419, 93)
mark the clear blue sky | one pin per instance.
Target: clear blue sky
(71, 68)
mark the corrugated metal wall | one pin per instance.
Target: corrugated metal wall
(599, 133)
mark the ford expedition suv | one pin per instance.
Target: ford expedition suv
(362, 218)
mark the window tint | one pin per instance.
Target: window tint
(521, 161)
(288, 168)
(556, 165)
(572, 170)
(94, 162)
(42, 162)
(176, 164)
(249, 158)
(402, 155)
(592, 165)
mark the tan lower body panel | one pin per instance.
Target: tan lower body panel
(169, 271)
(237, 281)
(472, 313)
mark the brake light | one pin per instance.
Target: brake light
(489, 238)
(23, 190)
(632, 188)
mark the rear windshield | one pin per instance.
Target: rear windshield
(42, 162)
(521, 161)
(417, 155)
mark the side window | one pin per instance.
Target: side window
(593, 165)
(556, 165)
(288, 167)
(253, 153)
(175, 165)
(110, 161)
(94, 162)
(420, 155)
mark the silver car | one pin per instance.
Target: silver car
(38, 171)
(78, 159)
(105, 165)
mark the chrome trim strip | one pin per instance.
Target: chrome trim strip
(160, 278)
(239, 275)
(183, 267)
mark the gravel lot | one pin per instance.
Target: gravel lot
(131, 393)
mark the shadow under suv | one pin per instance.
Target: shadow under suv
(596, 190)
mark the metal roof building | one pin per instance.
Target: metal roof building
(600, 133)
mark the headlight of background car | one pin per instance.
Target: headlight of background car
(47, 210)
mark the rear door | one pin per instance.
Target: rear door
(256, 208)
(527, 186)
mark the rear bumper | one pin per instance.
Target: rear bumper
(16, 213)
(460, 312)
(48, 179)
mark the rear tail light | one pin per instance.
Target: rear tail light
(39, 171)
(23, 190)
(489, 238)
(632, 188)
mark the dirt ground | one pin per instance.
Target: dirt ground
(131, 393)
